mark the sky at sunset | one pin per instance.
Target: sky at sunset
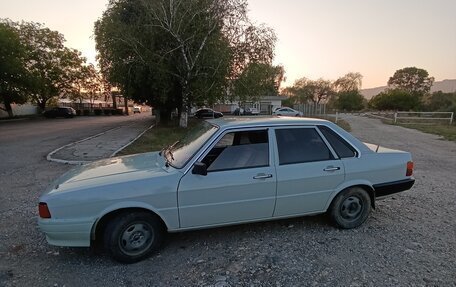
(319, 38)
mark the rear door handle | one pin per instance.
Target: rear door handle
(332, 168)
(262, 176)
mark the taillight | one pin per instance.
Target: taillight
(409, 168)
(44, 210)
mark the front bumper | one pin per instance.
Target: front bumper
(388, 188)
(74, 233)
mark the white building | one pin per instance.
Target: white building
(266, 105)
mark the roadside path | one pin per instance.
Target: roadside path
(103, 145)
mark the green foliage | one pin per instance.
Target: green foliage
(441, 102)
(395, 100)
(53, 66)
(87, 84)
(257, 80)
(350, 101)
(412, 80)
(35, 65)
(14, 79)
(174, 54)
(48, 67)
(305, 90)
(448, 132)
(349, 82)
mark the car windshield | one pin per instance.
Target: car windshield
(179, 153)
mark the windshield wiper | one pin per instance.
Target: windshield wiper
(167, 152)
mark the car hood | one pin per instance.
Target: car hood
(110, 171)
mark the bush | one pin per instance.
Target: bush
(350, 101)
(441, 102)
(118, 112)
(395, 100)
(86, 112)
(107, 112)
(97, 112)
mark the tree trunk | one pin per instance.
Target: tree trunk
(157, 113)
(114, 102)
(126, 105)
(9, 109)
(183, 120)
(42, 105)
(165, 115)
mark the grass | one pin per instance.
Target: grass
(34, 116)
(446, 131)
(161, 136)
(341, 123)
(156, 138)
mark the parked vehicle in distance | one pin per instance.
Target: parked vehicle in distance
(251, 112)
(246, 112)
(223, 172)
(289, 112)
(238, 112)
(136, 109)
(207, 113)
(65, 112)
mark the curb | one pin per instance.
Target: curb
(132, 141)
(75, 162)
(80, 162)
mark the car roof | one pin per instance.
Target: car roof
(234, 122)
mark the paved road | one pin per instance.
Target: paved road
(409, 240)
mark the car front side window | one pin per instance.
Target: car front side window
(238, 150)
(300, 145)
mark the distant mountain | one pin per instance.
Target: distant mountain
(446, 86)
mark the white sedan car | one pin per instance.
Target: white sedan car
(289, 112)
(224, 172)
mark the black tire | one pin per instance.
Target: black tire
(144, 232)
(350, 208)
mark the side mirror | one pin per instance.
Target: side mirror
(199, 168)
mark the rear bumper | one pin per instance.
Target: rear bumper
(388, 188)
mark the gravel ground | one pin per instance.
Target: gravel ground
(409, 240)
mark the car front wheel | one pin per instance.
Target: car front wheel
(132, 237)
(350, 208)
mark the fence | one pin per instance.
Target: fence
(415, 117)
(423, 117)
(311, 109)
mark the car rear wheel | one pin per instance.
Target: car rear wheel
(350, 208)
(132, 237)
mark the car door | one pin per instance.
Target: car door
(307, 171)
(240, 184)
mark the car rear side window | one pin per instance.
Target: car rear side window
(237, 150)
(300, 145)
(342, 148)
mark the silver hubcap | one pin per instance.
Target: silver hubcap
(136, 238)
(351, 208)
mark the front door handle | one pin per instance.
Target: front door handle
(262, 176)
(332, 168)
